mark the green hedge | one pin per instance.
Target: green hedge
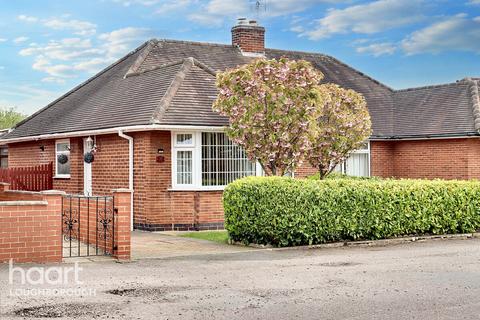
(289, 212)
(337, 175)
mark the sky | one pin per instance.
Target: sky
(48, 47)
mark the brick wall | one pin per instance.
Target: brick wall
(27, 154)
(30, 230)
(381, 158)
(436, 158)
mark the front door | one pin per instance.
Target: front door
(87, 171)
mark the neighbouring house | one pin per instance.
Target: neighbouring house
(149, 121)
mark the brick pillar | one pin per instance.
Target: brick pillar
(122, 200)
(54, 209)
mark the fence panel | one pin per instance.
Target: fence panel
(37, 178)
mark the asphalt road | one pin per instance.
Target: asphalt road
(429, 280)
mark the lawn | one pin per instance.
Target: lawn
(216, 236)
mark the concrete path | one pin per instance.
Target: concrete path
(433, 280)
(157, 245)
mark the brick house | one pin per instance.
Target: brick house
(149, 121)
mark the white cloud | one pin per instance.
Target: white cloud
(128, 3)
(3, 40)
(20, 39)
(457, 32)
(204, 19)
(56, 70)
(473, 2)
(214, 12)
(82, 28)
(368, 18)
(174, 5)
(297, 29)
(26, 18)
(69, 57)
(26, 97)
(121, 41)
(378, 49)
(54, 80)
(2, 67)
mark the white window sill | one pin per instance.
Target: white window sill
(61, 177)
(192, 188)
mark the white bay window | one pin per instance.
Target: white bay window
(207, 160)
(357, 164)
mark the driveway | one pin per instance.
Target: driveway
(157, 245)
(425, 280)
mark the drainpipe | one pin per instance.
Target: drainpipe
(130, 172)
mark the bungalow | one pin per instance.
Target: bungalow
(149, 122)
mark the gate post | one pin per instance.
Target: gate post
(121, 205)
(54, 200)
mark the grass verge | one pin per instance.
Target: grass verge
(216, 236)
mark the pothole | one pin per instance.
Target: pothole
(70, 310)
(338, 264)
(154, 293)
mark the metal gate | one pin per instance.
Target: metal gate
(88, 225)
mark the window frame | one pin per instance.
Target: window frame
(4, 156)
(57, 153)
(184, 147)
(359, 151)
(196, 148)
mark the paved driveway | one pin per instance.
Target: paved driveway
(429, 280)
(155, 245)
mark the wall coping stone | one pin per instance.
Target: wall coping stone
(23, 203)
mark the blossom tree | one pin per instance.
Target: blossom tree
(343, 125)
(270, 105)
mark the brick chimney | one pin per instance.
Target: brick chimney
(249, 36)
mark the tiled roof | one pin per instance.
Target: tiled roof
(173, 82)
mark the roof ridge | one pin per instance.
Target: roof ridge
(196, 42)
(475, 96)
(80, 85)
(316, 54)
(141, 58)
(431, 86)
(165, 65)
(170, 93)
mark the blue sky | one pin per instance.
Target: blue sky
(47, 47)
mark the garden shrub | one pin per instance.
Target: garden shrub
(337, 175)
(288, 212)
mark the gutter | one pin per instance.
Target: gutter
(427, 136)
(114, 130)
(130, 172)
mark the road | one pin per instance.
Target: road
(429, 280)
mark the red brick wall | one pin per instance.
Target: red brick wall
(31, 232)
(381, 159)
(27, 154)
(435, 158)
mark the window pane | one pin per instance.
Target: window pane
(223, 161)
(63, 168)
(64, 146)
(4, 162)
(4, 151)
(184, 139)
(357, 165)
(184, 167)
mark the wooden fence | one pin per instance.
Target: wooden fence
(36, 178)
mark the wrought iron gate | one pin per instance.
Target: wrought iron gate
(88, 225)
